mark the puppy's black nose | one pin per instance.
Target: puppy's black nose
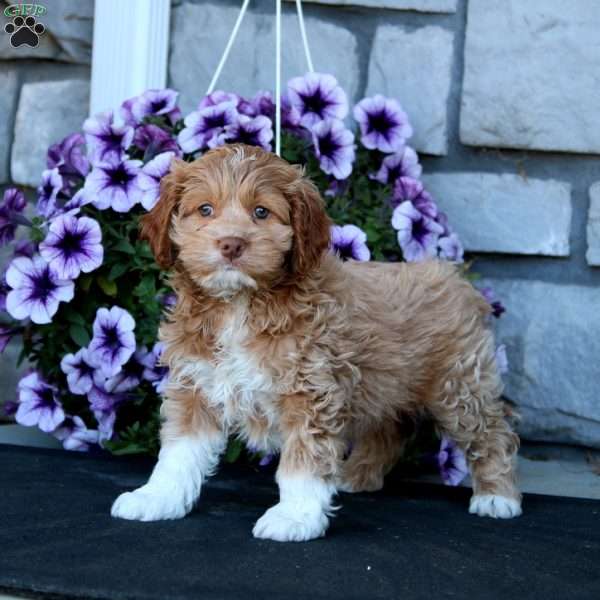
(231, 247)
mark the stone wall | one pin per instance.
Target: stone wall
(503, 97)
(44, 95)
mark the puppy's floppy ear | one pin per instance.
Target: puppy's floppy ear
(155, 226)
(311, 226)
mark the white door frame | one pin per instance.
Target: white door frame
(130, 50)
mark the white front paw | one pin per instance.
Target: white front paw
(286, 522)
(497, 507)
(148, 505)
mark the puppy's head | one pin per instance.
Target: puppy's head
(238, 217)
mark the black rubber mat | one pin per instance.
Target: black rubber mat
(57, 540)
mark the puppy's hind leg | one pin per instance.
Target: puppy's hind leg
(191, 445)
(374, 453)
(471, 413)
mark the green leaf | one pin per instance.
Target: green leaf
(124, 246)
(85, 282)
(146, 286)
(234, 449)
(79, 335)
(73, 316)
(117, 270)
(108, 287)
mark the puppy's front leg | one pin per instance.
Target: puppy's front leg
(192, 442)
(309, 460)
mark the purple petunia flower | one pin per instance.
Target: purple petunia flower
(501, 359)
(261, 104)
(11, 207)
(451, 462)
(154, 140)
(130, 375)
(349, 241)
(114, 185)
(149, 179)
(68, 156)
(104, 405)
(404, 163)
(48, 190)
(255, 131)
(451, 248)
(155, 103)
(154, 371)
(24, 248)
(417, 233)
(79, 371)
(497, 307)
(38, 404)
(36, 290)
(317, 97)
(383, 124)
(113, 342)
(334, 147)
(73, 245)
(408, 189)
(106, 141)
(290, 116)
(74, 434)
(205, 128)
(219, 97)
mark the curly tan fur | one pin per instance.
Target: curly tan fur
(293, 350)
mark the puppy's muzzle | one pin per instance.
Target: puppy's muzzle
(231, 247)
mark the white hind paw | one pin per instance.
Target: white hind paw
(497, 507)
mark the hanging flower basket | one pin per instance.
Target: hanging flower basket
(84, 293)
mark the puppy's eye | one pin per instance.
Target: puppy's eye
(260, 212)
(206, 210)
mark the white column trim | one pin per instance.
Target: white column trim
(130, 50)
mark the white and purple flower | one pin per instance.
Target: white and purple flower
(383, 124)
(404, 163)
(68, 156)
(130, 375)
(74, 435)
(38, 404)
(497, 307)
(349, 242)
(106, 141)
(79, 371)
(255, 131)
(154, 140)
(114, 185)
(451, 248)
(317, 97)
(73, 245)
(13, 203)
(36, 290)
(155, 103)
(417, 233)
(334, 147)
(113, 342)
(154, 371)
(48, 190)
(219, 97)
(149, 178)
(261, 104)
(407, 189)
(451, 462)
(205, 128)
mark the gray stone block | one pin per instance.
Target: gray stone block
(47, 112)
(505, 213)
(8, 100)
(531, 75)
(552, 337)
(415, 68)
(593, 227)
(68, 35)
(433, 6)
(203, 31)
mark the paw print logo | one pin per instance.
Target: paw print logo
(24, 31)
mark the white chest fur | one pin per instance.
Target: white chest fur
(234, 383)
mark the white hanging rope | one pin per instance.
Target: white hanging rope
(309, 61)
(232, 37)
(231, 40)
(278, 77)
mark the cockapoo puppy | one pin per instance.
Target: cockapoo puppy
(277, 341)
